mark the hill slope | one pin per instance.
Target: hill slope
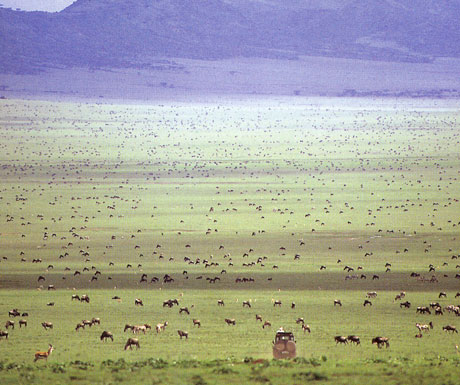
(129, 33)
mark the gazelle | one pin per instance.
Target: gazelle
(44, 355)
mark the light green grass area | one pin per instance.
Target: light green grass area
(263, 190)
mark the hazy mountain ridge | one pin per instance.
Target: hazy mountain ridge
(130, 33)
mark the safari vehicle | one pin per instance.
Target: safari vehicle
(284, 345)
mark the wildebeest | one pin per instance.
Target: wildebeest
(423, 310)
(246, 303)
(14, 313)
(380, 341)
(138, 302)
(182, 334)
(230, 321)
(132, 342)
(47, 325)
(340, 339)
(277, 303)
(367, 302)
(170, 302)
(450, 328)
(84, 298)
(371, 294)
(406, 304)
(266, 324)
(87, 322)
(22, 322)
(95, 321)
(80, 325)
(197, 322)
(306, 328)
(354, 339)
(128, 326)
(220, 302)
(337, 302)
(105, 334)
(184, 310)
(3, 334)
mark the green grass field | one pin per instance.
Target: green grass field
(267, 190)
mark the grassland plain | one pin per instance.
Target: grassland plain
(286, 193)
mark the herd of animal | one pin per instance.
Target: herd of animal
(379, 341)
(327, 189)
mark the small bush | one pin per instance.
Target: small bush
(310, 376)
(198, 380)
(224, 370)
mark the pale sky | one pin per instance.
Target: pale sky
(37, 5)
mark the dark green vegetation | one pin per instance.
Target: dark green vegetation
(281, 195)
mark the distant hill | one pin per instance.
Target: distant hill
(131, 33)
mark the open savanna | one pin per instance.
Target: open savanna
(285, 193)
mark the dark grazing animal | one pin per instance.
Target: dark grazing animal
(105, 334)
(341, 340)
(380, 341)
